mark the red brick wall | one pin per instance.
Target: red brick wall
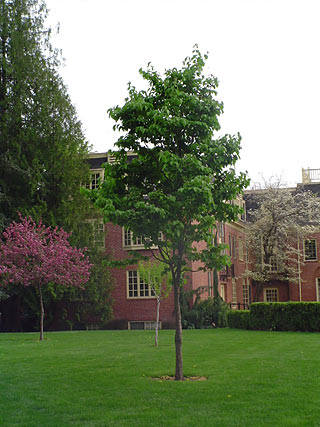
(130, 309)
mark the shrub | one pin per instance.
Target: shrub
(285, 316)
(239, 319)
(206, 313)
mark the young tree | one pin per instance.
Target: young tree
(279, 220)
(182, 179)
(34, 255)
(155, 275)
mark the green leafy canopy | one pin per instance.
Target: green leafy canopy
(182, 179)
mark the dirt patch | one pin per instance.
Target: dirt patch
(171, 378)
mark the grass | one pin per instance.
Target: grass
(103, 378)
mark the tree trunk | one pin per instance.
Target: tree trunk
(157, 321)
(258, 292)
(178, 336)
(41, 313)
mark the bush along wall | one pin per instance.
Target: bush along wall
(286, 316)
(208, 313)
(239, 319)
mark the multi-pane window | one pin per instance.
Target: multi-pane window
(271, 295)
(240, 249)
(234, 291)
(94, 180)
(246, 294)
(221, 232)
(310, 250)
(99, 235)
(129, 240)
(223, 291)
(230, 246)
(136, 287)
(273, 264)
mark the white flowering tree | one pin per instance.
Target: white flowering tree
(280, 219)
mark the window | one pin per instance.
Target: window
(243, 215)
(246, 294)
(230, 245)
(134, 325)
(97, 230)
(136, 287)
(318, 288)
(129, 240)
(273, 264)
(234, 291)
(240, 249)
(310, 250)
(271, 295)
(223, 291)
(221, 232)
(95, 177)
(99, 235)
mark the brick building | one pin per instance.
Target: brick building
(134, 304)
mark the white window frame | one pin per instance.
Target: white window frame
(318, 288)
(240, 249)
(223, 291)
(273, 264)
(221, 232)
(129, 242)
(136, 287)
(304, 250)
(246, 294)
(234, 291)
(265, 291)
(99, 231)
(96, 176)
(98, 227)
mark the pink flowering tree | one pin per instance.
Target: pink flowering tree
(34, 255)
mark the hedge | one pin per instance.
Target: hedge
(278, 316)
(239, 319)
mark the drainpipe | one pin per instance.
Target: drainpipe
(299, 271)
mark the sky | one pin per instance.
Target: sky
(265, 54)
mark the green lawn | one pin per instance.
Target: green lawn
(103, 378)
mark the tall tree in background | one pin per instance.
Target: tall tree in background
(279, 220)
(180, 183)
(42, 146)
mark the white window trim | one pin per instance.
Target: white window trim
(240, 249)
(138, 289)
(234, 291)
(304, 249)
(318, 288)
(223, 287)
(134, 246)
(245, 293)
(99, 171)
(99, 221)
(270, 289)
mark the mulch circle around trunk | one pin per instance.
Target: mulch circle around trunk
(172, 378)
